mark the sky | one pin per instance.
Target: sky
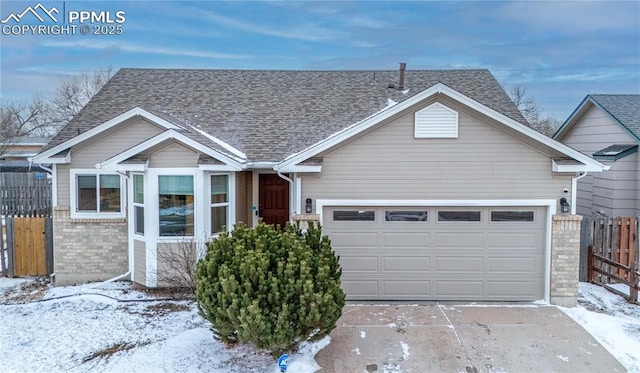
(559, 51)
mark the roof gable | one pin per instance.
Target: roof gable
(290, 164)
(624, 110)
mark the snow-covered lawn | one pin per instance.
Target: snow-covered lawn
(613, 321)
(117, 329)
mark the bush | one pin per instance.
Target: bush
(270, 288)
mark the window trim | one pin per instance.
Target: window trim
(73, 194)
(156, 198)
(231, 197)
(135, 204)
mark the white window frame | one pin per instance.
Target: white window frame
(135, 204)
(73, 186)
(231, 204)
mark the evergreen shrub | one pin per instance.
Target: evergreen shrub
(271, 288)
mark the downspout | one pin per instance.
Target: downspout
(109, 280)
(290, 188)
(131, 256)
(574, 191)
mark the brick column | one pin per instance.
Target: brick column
(565, 259)
(304, 219)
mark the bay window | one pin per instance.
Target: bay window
(176, 203)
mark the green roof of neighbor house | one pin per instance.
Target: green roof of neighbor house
(624, 109)
(271, 114)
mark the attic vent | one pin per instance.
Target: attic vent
(436, 121)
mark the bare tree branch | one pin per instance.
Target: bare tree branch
(532, 111)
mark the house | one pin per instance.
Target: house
(429, 183)
(15, 153)
(607, 127)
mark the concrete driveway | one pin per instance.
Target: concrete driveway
(443, 337)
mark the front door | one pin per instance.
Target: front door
(274, 199)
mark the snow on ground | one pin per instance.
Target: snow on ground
(81, 328)
(8, 283)
(612, 321)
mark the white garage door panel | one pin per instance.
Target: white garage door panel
(359, 263)
(360, 289)
(356, 239)
(407, 263)
(410, 289)
(459, 239)
(432, 260)
(459, 264)
(406, 239)
(518, 265)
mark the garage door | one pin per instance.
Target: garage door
(436, 253)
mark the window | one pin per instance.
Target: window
(405, 215)
(138, 203)
(354, 215)
(458, 215)
(219, 202)
(511, 216)
(98, 193)
(176, 200)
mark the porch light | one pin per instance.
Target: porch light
(307, 206)
(565, 207)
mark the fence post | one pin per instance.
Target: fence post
(586, 240)
(633, 282)
(3, 264)
(590, 264)
(10, 245)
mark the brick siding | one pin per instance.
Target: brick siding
(565, 259)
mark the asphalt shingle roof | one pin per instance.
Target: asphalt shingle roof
(270, 114)
(624, 108)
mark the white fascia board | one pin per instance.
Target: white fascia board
(50, 160)
(262, 165)
(169, 135)
(136, 167)
(455, 95)
(44, 157)
(300, 168)
(555, 167)
(223, 144)
(218, 167)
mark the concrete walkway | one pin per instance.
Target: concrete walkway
(461, 338)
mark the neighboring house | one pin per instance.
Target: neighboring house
(15, 153)
(607, 127)
(429, 183)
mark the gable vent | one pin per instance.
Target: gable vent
(436, 121)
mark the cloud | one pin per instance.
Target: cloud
(306, 31)
(135, 48)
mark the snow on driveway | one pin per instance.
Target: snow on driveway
(86, 331)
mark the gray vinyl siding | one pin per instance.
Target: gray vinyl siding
(482, 163)
(100, 148)
(174, 155)
(139, 261)
(613, 192)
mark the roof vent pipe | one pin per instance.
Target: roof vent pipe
(403, 66)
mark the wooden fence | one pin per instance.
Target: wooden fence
(25, 194)
(26, 246)
(610, 253)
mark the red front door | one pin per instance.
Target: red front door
(274, 200)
